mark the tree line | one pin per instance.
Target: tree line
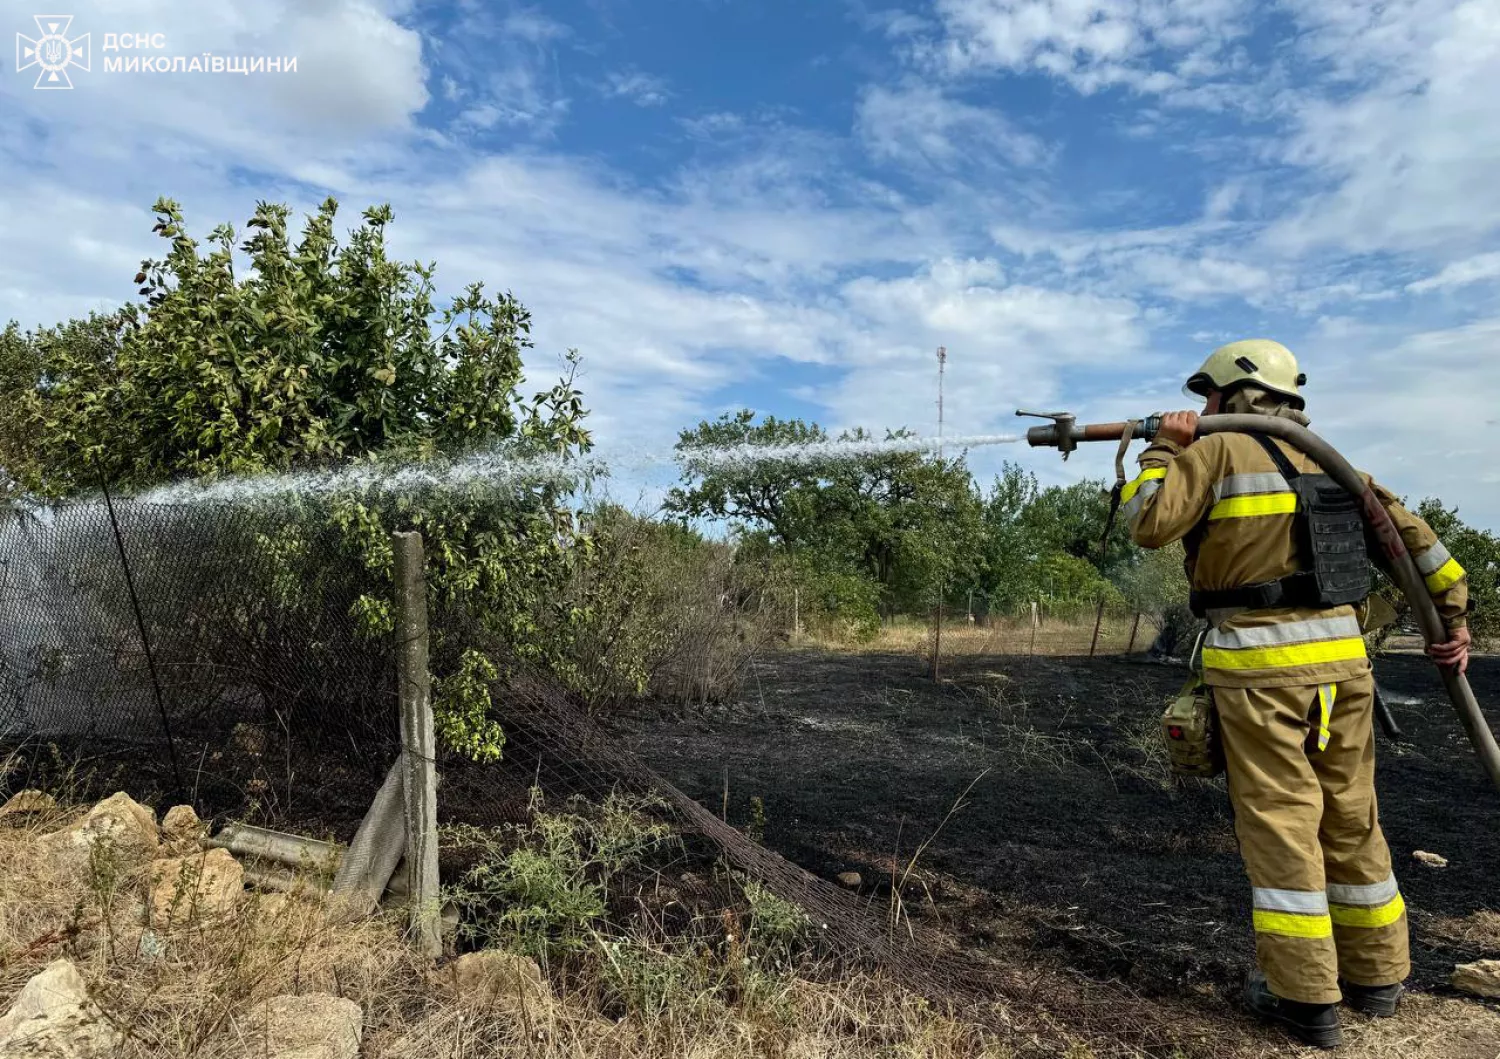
(268, 350)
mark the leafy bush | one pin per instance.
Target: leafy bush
(321, 355)
(659, 610)
(540, 890)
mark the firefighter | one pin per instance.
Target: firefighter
(1292, 685)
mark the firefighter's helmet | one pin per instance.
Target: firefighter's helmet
(1257, 361)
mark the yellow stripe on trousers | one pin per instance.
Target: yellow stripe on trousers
(1285, 656)
(1327, 693)
(1291, 925)
(1379, 916)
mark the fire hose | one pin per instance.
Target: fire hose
(1065, 433)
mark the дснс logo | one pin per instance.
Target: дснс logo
(52, 51)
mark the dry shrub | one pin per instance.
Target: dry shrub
(662, 611)
(855, 1018)
(194, 990)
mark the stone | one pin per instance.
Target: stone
(181, 825)
(1432, 860)
(26, 803)
(203, 886)
(119, 823)
(851, 880)
(315, 1026)
(53, 1018)
(493, 976)
(1481, 978)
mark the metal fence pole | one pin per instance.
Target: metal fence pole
(937, 641)
(418, 743)
(1098, 621)
(140, 623)
(1135, 627)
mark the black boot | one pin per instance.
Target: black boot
(1377, 1000)
(1315, 1024)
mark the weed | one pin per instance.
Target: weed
(541, 890)
(756, 829)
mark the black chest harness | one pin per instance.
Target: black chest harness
(1331, 550)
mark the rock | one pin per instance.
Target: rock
(181, 825)
(53, 1018)
(493, 976)
(316, 1026)
(197, 887)
(1432, 860)
(1481, 978)
(28, 802)
(851, 880)
(119, 823)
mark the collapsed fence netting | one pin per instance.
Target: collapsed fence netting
(224, 655)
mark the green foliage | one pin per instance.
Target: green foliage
(317, 355)
(1477, 551)
(658, 609)
(541, 890)
(905, 522)
(778, 931)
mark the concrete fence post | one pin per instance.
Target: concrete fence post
(418, 743)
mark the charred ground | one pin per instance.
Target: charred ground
(1075, 846)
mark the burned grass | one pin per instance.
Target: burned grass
(1077, 854)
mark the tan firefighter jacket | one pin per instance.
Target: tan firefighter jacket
(1223, 497)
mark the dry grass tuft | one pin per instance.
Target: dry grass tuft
(193, 990)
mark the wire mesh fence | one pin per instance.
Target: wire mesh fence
(223, 656)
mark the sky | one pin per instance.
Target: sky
(788, 206)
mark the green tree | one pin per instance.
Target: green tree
(907, 521)
(1478, 552)
(317, 356)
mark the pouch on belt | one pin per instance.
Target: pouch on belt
(1190, 726)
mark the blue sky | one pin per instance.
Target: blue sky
(790, 206)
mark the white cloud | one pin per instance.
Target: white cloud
(529, 24)
(359, 76)
(641, 89)
(1474, 269)
(776, 259)
(1151, 46)
(918, 125)
(1410, 156)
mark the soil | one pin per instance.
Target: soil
(1072, 848)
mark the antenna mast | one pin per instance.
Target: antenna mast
(942, 362)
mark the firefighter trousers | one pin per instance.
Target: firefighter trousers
(1301, 775)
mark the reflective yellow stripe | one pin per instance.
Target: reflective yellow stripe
(1251, 506)
(1291, 925)
(1326, 694)
(1450, 573)
(1289, 656)
(1379, 916)
(1145, 476)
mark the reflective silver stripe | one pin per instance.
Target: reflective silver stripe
(1304, 902)
(1250, 484)
(1285, 633)
(1432, 560)
(1370, 895)
(1148, 488)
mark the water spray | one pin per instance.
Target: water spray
(1066, 432)
(500, 469)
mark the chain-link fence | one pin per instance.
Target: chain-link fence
(224, 656)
